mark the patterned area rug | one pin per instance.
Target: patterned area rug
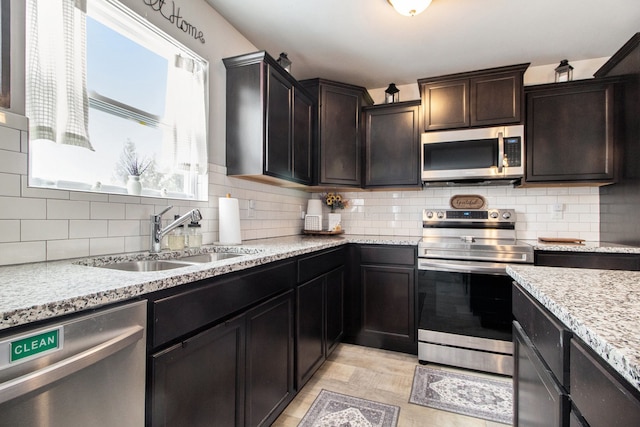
(463, 394)
(332, 409)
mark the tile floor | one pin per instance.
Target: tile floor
(373, 374)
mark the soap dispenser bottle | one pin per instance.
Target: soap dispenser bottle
(194, 236)
(176, 237)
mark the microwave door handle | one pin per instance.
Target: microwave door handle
(500, 152)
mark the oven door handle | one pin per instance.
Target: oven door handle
(462, 266)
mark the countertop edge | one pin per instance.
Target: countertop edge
(620, 359)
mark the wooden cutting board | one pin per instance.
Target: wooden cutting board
(563, 240)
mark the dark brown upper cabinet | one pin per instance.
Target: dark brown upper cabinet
(269, 121)
(571, 130)
(392, 145)
(338, 131)
(488, 97)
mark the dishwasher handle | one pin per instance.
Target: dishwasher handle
(49, 374)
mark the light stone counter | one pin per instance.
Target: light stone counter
(601, 307)
(596, 247)
(38, 291)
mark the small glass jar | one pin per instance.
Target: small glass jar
(177, 237)
(194, 236)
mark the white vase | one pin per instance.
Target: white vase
(334, 222)
(134, 186)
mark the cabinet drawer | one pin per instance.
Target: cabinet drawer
(317, 264)
(180, 314)
(602, 397)
(548, 335)
(397, 255)
(588, 260)
(538, 400)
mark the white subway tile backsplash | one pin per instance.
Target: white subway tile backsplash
(9, 139)
(21, 208)
(105, 246)
(124, 228)
(80, 229)
(64, 249)
(10, 230)
(31, 230)
(9, 184)
(13, 162)
(23, 252)
(68, 209)
(100, 210)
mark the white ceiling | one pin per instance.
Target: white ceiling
(367, 43)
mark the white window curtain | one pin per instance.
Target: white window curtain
(56, 91)
(184, 141)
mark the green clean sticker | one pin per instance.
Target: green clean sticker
(35, 344)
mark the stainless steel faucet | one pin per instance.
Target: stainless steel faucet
(157, 232)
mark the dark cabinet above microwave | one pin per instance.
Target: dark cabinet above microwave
(481, 98)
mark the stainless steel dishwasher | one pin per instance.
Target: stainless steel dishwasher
(86, 370)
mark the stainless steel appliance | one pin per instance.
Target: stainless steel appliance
(464, 293)
(87, 370)
(494, 154)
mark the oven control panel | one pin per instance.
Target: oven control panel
(475, 215)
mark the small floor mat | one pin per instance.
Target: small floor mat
(332, 409)
(464, 394)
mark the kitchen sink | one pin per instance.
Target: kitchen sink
(208, 257)
(169, 264)
(147, 265)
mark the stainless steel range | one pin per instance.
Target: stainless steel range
(464, 292)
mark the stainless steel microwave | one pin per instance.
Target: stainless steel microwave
(495, 153)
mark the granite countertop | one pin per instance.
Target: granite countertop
(601, 307)
(39, 291)
(597, 247)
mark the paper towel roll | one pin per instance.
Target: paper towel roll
(229, 223)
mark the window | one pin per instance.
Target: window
(131, 97)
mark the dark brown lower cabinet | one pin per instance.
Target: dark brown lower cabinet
(604, 400)
(538, 399)
(319, 329)
(200, 382)
(382, 299)
(558, 380)
(269, 371)
(238, 373)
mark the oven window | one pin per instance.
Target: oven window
(476, 154)
(477, 305)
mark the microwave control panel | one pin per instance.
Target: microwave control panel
(513, 151)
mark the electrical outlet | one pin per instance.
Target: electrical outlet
(556, 210)
(251, 209)
(302, 213)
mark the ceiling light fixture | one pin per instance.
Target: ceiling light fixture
(409, 7)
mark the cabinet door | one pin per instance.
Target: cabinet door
(392, 153)
(446, 104)
(496, 99)
(602, 397)
(278, 136)
(570, 131)
(538, 400)
(309, 329)
(200, 381)
(302, 136)
(334, 309)
(339, 136)
(388, 306)
(269, 372)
